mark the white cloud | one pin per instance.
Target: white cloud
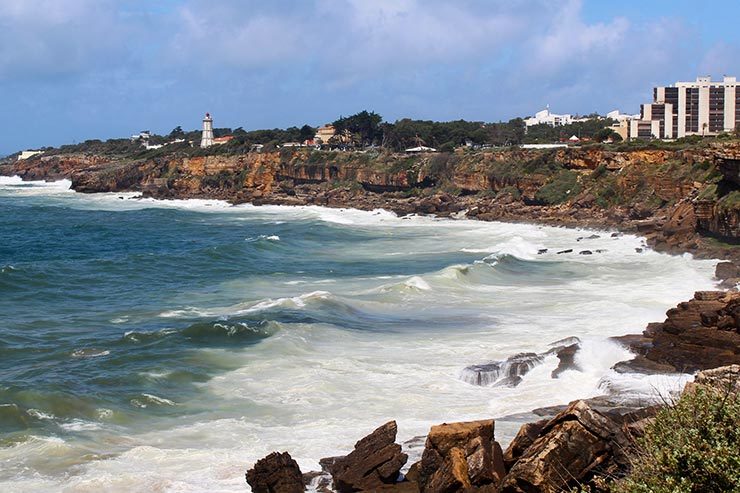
(51, 37)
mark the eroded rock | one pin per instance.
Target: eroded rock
(569, 450)
(375, 461)
(459, 456)
(276, 473)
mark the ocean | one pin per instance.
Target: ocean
(167, 345)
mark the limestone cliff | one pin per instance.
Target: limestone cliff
(671, 196)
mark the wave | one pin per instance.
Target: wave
(11, 180)
(149, 400)
(511, 371)
(89, 353)
(262, 237)
(213, 332)
(515, 246)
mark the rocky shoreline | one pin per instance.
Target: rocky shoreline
(583, 442)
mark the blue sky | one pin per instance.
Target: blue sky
(72, 70)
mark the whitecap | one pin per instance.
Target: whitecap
(89, 353)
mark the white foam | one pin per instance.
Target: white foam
(315, 389)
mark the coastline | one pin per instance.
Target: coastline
(447, 206)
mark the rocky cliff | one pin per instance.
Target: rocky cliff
(676, 198)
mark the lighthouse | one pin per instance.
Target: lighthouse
(207, 138)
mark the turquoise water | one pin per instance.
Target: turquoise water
(162, 346)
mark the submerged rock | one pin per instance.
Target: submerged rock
(276, 473)
(375, 461)
(510, 372)
(567, 357)
(460, 456)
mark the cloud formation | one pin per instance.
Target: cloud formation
(99, 68)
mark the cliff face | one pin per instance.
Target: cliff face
(662, 194)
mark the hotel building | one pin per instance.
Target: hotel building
(689, 108)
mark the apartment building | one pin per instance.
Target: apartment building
(702, 107)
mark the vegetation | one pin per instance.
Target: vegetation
(592, 129)
(562, 187)
(692, 446)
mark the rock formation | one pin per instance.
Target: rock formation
(697, 335)
(577, 446)
(276, 473)
(460, 456)
(375, 461)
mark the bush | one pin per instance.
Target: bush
(692, 446)
(561, 188)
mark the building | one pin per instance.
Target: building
(222, 140)
(703, 107)
(324, 133)
(28, 154)
(143, 135)
(206, 139)
(544, 117)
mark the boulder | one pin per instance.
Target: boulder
(276, 473)
(460, 456)
(569, 450)
(375, 461)
(527, 434)
(567, 360)
(726, 270)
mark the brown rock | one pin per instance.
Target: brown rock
(568, 451)
(459, 456)
(527, 434)
(375, 461)
(276, 473)
(722, 379)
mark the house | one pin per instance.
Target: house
(324, 133)
(222, 140)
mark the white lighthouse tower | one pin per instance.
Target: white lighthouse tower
(207, 139)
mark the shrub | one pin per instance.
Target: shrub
(692, 446)
(559, 189)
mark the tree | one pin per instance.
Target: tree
(366, 126)
(307, 132)
(177, 133)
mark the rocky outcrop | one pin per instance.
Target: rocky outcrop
(724, 379)
(276, 473)
(698, 334)
(578, 446)
(375, 461)
(460, 456)
(635, 190)
(526, 436)
(511, 371)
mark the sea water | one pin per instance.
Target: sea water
(167, 345)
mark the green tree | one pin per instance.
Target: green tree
(365, 125)
(177, 133)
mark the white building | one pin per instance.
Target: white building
(547, 118)
(702, 107)
(28, 154)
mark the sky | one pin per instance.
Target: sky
(72, 70)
